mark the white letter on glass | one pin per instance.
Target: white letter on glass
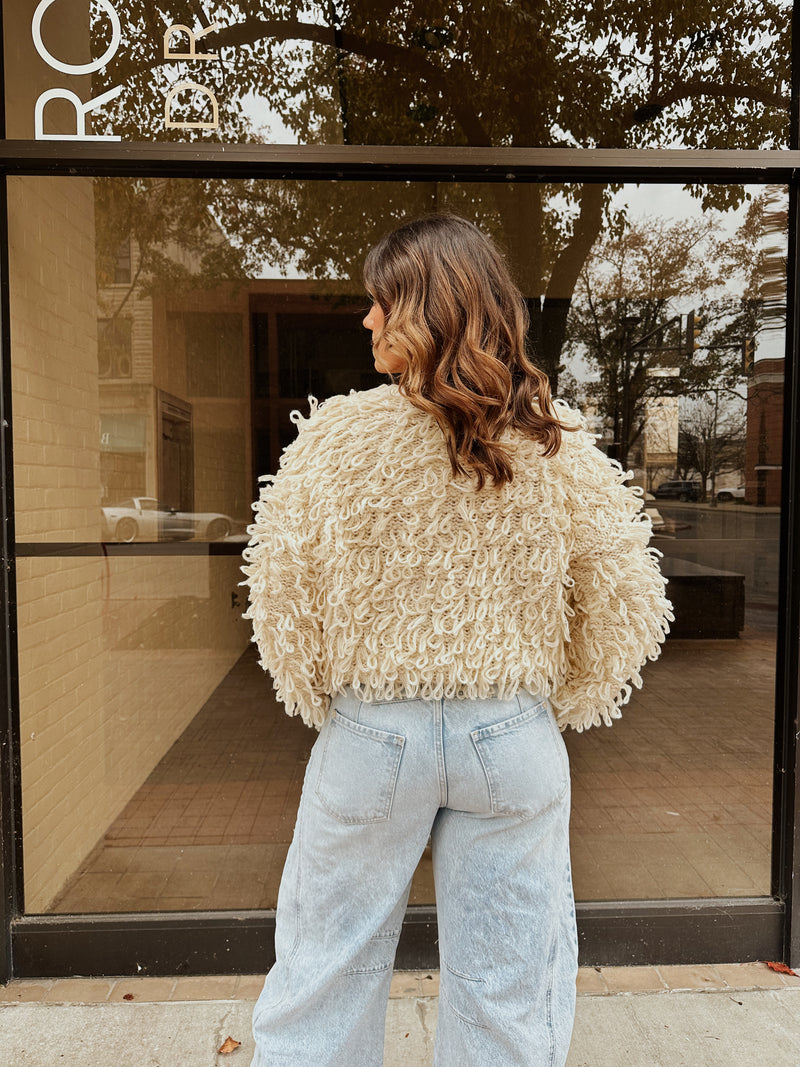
(81, 111)
(76, 68)
(179, 87)
(193, 38)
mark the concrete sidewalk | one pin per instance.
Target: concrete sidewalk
(726, 1016)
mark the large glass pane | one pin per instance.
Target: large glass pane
(605, 73)
(162, 332)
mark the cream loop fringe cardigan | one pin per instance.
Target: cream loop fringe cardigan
(370, 565)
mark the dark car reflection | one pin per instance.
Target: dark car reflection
(679, 490)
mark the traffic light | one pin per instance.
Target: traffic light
(748, 354)
(694, 327)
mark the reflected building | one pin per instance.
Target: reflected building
(765, 394)
(660, 456)
(764, 457)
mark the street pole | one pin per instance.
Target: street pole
(714, 450)
(628, 323)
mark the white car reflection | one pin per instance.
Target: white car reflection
(652, 512)
(143, 518)
(727, 496)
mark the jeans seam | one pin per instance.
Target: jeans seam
(551, 970)
(441, 767)
(505, 725)
(367, 970)
(486, 774)
(297, 906)
(457, 1013)
(562, 747)
(466, 977)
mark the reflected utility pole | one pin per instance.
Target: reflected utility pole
(629, 323)
(713, 456)
(336, 25)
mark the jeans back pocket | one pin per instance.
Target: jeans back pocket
(358, 770)
(525, 762)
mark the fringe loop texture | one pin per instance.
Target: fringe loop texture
(370, 565)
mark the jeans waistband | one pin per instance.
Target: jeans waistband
(350, 696)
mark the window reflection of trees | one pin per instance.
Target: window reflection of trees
(564, 74)
(663, 327)
(656, 338)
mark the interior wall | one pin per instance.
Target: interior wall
(116, 655)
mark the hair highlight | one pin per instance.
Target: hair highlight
(454, 313)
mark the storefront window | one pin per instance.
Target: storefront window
(565, 74)
(158, 771)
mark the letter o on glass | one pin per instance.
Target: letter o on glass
(76, 68)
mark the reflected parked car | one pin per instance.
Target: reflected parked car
(210, 525)
(679, 490)
(727, 496)
(143, 518)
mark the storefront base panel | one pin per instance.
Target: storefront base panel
(685, 932)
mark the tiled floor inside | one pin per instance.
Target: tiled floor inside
(673, 801)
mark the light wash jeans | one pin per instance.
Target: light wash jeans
(488, 780)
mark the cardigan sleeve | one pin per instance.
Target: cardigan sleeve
(619, 613)
(283, 573)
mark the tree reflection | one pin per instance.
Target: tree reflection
(631, 326)
(562, 74)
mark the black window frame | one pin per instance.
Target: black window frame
(228, 942)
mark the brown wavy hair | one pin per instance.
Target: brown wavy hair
(454, 313)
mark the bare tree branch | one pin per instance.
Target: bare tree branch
(697, 87)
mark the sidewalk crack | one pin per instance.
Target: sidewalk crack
(222, 1030)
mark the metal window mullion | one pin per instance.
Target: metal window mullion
(11, 887)
(395, 163)
(786, 801)
(787, 838)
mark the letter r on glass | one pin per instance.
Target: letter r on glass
(193, 38)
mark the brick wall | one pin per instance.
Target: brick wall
(763, 445)
(116, 655)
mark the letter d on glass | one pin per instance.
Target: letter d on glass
(179, 87)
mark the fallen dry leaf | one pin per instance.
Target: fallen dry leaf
(781, 968)
(128, 996)
(229, 1045)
